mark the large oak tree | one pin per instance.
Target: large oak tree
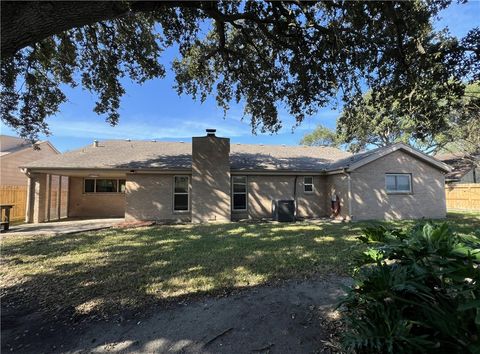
(265, 54)
(363, 125)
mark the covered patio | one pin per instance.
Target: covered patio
(58, 194)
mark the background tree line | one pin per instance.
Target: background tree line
(364, 124)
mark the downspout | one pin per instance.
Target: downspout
(349, 186)
(295, 196)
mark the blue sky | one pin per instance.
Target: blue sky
(155, 111)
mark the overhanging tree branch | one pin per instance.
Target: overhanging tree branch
(26, 23)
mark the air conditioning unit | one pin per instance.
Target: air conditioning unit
(283, 210)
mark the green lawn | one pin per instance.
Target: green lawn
(101, 272)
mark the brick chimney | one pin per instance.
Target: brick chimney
(210, 178)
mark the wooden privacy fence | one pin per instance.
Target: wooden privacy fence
(16, 195)
(463, 196)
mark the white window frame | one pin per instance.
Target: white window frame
(396, 191)
(308, 184)
(246, 193)
(95, 185)
(177, 193)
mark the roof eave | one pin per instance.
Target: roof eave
(113, 169)
(238, 171)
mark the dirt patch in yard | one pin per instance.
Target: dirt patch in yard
(294, 317)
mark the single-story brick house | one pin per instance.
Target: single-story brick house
(213, 180)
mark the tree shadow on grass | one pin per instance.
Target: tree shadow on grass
(110, 273)
(105, 272)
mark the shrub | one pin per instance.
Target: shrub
(415, 290)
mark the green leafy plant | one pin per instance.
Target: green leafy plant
(416, 290)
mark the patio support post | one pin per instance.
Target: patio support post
(29, 203)
(49, 197)
(59, 197)
(37, 197)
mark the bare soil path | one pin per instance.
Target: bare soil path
(293, 317)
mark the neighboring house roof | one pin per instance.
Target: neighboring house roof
(126, 155)
(12, 144)
(461, 163)
(9, 144)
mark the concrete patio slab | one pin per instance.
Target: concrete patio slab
(62, 227)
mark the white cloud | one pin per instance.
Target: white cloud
(138, 126)
(145, 128)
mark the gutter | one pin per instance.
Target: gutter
(277, 172)
(159, 170)
(178, 170)
(103, 169)
(295, 196)
(349, 184)
(336, 172)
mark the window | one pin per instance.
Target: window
(89, 186)
(239, 192)
(398, 183)
(308, 184)
(180, 193)
(104, 185)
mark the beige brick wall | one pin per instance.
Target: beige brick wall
(37, 198)
(150, 197)
(312, 205)
(210, 179)
(371, 201)
(338, 184)
(94, 205)
(10, 173)
(262, 190)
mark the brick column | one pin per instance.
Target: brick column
(59, 197)
(48, 217)
(36, 198)
(29, 202)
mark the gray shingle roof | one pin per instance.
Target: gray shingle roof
(276, 157)
(461, 163)
(347, 161)
(122, 154)
(10, 144)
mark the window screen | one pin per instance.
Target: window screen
(239, 192)
(89, 185)
(106, 185)
(308, 184)
(398, 183)
(180, 193)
